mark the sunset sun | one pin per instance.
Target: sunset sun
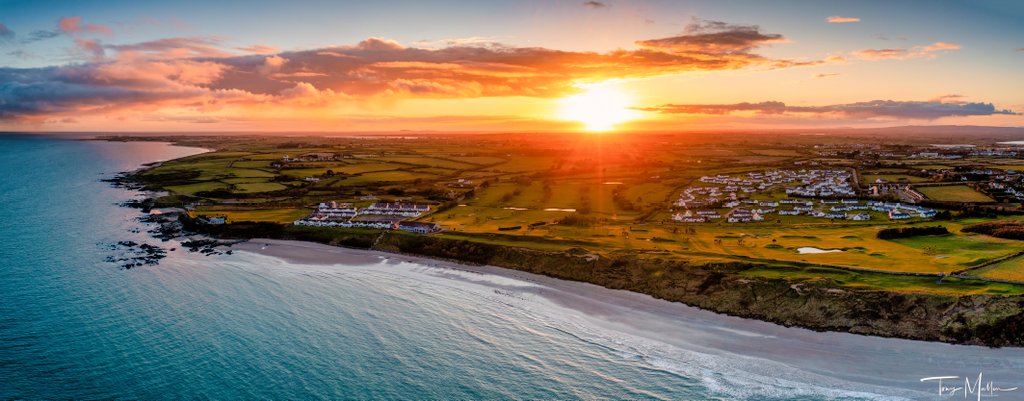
(599, 108)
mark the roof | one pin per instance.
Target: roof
(416, 224)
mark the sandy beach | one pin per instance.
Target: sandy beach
(833, 360)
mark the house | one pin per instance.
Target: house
(418, 227)
(317, 157)
(896, 214)
(396, 209)
(212, 220)
(336, 210)
(860, 217)
(378, 222)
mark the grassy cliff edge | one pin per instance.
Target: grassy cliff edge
(818, 303)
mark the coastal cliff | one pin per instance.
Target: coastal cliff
(818, 304)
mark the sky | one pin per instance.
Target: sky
(521, 66)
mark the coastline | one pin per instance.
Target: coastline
(733, 344)
(722, 288)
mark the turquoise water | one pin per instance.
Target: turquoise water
(252, 326)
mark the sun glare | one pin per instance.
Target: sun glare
(599, 108)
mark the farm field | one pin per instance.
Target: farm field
(265, 215)
(869, 178)
(953, 193)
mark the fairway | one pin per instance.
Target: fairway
(1010, 269)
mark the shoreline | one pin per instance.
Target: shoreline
(310, 252)
(734, 343)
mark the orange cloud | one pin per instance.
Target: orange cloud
(259, 49)
(939, 46)
(73, 25)
(904, 54)
(196, 73)
(835, 19)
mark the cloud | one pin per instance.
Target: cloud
(73, 25)
(66, 26)
(835, 19)
(306, 94)
(950, 98)
(479, 41)
(38, 35)
(879, 54)
(21, 54)
(175, 48)
(6, 34)
(881, 36)
(940, 46)
(259, 49)
(197, 73)
(904, 54)
(713, 38)
(916, 110)
(827, 75)
(594, 5)
(378, 66)
(272, 64)
(91, 48)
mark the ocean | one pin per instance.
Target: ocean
(249, 325)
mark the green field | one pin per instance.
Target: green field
(953, 193)
(268, 215)
(870, 178)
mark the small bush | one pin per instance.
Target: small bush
(893, 233)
